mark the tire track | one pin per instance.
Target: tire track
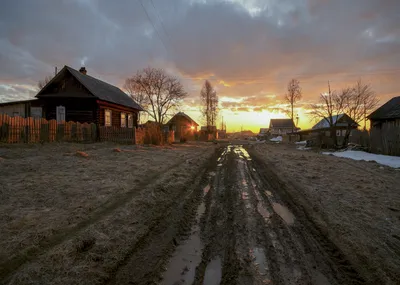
(8, 267)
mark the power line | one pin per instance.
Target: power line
(160, 19)
(154, 27)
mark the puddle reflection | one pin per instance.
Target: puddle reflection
(284, 213)
(213, 272)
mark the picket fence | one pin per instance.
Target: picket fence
(40, 130)
(35, 130)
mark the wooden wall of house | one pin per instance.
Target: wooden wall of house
(14, 110)
(116, 111)
(76, 109)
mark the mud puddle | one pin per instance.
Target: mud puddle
(259, 260)
(284, 213)
(213, 272)
(182, 265)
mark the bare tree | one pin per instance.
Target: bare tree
(43, 83)
(331, 105)
(209, 104)
(360, 99)
(292, 96)
(353, 101)
(158, 92)
(136, 94)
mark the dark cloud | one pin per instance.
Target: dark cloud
(246, 48)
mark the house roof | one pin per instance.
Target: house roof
(281, 123)
(182, 114)
(100, 89)
(17, 102)
(389, 110)
(341, 120)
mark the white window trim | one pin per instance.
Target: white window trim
(123, 120)
(105, 118)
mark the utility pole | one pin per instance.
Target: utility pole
(55, 71)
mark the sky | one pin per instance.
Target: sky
(249, 50)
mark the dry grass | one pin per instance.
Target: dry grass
(357, 203)
(57, 200)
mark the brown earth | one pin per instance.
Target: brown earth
(66, 218)
(196, 214)
(356, 204)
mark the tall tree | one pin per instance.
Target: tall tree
(209, 104)
(158, 92)
(42, 83)
(292, 96)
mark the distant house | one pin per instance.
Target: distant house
(24, 108)
(385, 128)
(182, 125)
(264, 132)
(75, 96)
(281, 126)
(341, 122)
(322, 128)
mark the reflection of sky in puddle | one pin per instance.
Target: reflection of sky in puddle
(284, 213)
(183, 263)
(260, 260)
(213, 272)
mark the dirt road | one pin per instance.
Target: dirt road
(232, 218)
(243, 233)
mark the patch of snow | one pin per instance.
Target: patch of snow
(302, 147)
(392, 161)
(301, 143)
(277, 139)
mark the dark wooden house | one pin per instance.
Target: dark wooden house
(183, 126)
(388, 113)
(385, 128)
(75, 96)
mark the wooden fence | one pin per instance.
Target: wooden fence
(117, 134)
(386, 140)
(34, 130)
(39, 130)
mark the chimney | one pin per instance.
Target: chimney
(83, 70)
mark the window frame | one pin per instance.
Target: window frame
(105, 117)
(130, 120)
(123, 120)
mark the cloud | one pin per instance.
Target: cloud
(247, 49)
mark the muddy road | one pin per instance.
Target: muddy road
(236, 225)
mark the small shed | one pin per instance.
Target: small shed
(23, 108)
(183, 126)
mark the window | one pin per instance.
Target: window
(130, 121)
(60, 114)
(338, 133)
(107, 118)
(123, 120)
(343, 133)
